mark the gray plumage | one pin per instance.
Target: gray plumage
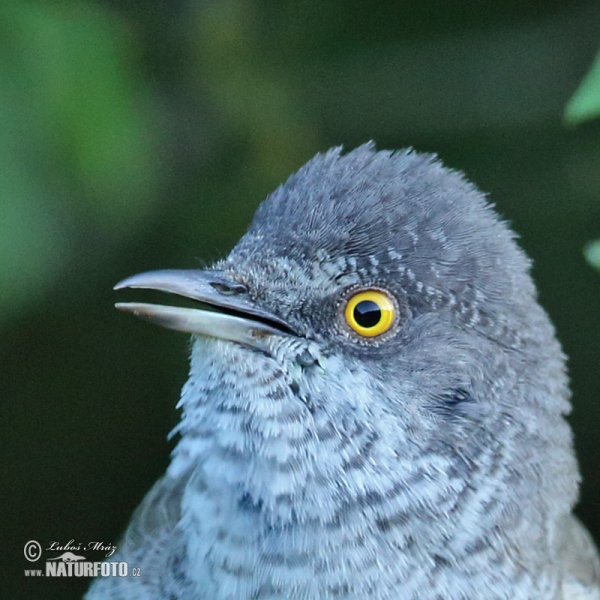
(430, 462)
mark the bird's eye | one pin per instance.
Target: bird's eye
(370, 312)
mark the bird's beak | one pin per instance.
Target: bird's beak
(228, 313)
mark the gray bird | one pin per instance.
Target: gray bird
(375, 408)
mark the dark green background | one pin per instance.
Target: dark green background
(142, 134)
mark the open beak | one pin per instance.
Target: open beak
(228, 314)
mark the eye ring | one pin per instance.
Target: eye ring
(370, 313)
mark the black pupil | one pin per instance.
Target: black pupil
(367, 313)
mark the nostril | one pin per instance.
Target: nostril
(229, 289)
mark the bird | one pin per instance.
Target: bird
(376, 405)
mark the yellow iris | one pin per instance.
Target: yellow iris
(370, 312)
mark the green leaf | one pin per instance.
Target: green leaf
(585, 102)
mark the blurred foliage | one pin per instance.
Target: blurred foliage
(253, 100)
(592, 253)
(141, 134)
(585, 102)
(583, 106)
(76, 139)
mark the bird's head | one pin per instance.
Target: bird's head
(374, 343)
